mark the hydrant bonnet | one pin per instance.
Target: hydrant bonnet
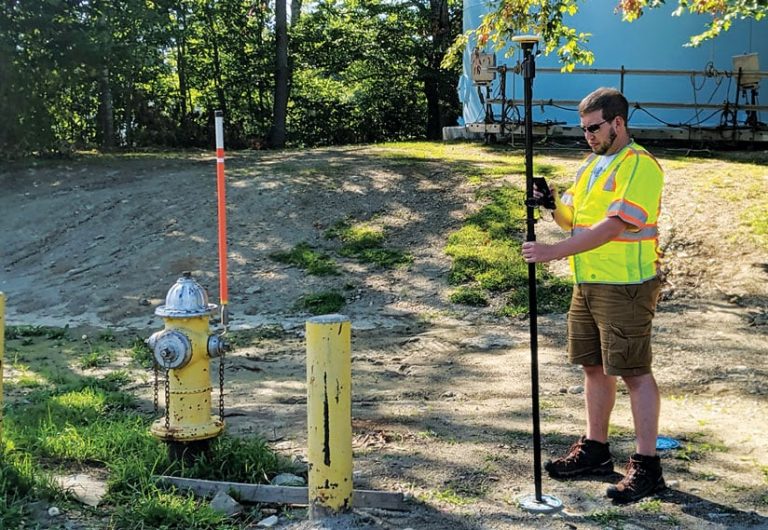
(186, 298)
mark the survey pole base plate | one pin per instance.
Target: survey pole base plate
(547, 504)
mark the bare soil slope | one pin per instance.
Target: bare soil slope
(441, 400)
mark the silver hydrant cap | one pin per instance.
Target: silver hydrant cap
(185, 298)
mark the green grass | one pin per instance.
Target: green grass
(366, 243)
(70, 423)
(450, 496)
(611, 516)
(22, 332)
(322, 303)
(470, 295)
(487, 260)
(95, 359)
(305, 257)
(696, 447)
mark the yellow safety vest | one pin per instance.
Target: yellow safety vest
(629, 188)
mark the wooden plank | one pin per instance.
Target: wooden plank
(263, 493)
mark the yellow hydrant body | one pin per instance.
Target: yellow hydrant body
(329, 414)
(183, 349)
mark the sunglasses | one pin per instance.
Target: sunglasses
(592, 129)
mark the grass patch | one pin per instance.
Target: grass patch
(305, 257)
(27, 332)
(611, 516)
(470, 295)
(321, 303)
(650, 506)
(95, 359)
(696, 448)
(450, 496)
(365, 243)
(141, 354)
(71, 423)
(487, 260)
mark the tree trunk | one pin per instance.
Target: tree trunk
(440, 30)
(295, 11)
(181, 62)
(277, 133)
(214, 40)
(107, 111)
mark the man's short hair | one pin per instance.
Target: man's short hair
(609, 100)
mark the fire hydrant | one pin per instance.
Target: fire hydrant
(183, 349)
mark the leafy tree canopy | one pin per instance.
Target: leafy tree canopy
(546, 18)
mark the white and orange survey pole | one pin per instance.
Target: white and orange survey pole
(222, 207)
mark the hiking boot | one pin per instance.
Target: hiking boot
(585, 457)
(643, 478)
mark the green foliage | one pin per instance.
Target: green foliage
(321, 303)
(19, 332)
(486, 255)
(365, 243)
(87, 421)
(723, 13)
(141, 353)
(305, 257)
(530, 17)
(169, 511)
(250, 461)
(470, 295)
(611, 516)
(547, 18)
(129, 73)
(19, 480)
(95, 359)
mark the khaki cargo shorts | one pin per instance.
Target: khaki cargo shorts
(611, 325)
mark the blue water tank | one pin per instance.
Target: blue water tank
(656, 41)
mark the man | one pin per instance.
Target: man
(612, 210)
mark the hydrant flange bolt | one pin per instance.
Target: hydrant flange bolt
(217, 345)
(172, 349)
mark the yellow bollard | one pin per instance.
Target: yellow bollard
(2, 354)
(329, 414)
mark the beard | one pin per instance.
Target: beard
(605, 146)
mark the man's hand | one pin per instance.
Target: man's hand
(598, 235)
(534, 252)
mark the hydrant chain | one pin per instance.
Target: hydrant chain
(167, 400)
(221, 386)
(154, 390)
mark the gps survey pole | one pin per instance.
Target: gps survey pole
(539, 503)
(222, 208)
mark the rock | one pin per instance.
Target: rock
(85, 488)
(225, 504)
(576, 389)
(53, 511)
(287, 479)
(269, 522)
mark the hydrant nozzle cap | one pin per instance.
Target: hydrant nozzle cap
(185, 298)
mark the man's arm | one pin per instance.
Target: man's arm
(599, 234)
(563, 214)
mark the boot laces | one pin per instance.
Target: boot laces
(574, 451)
(634, 474)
